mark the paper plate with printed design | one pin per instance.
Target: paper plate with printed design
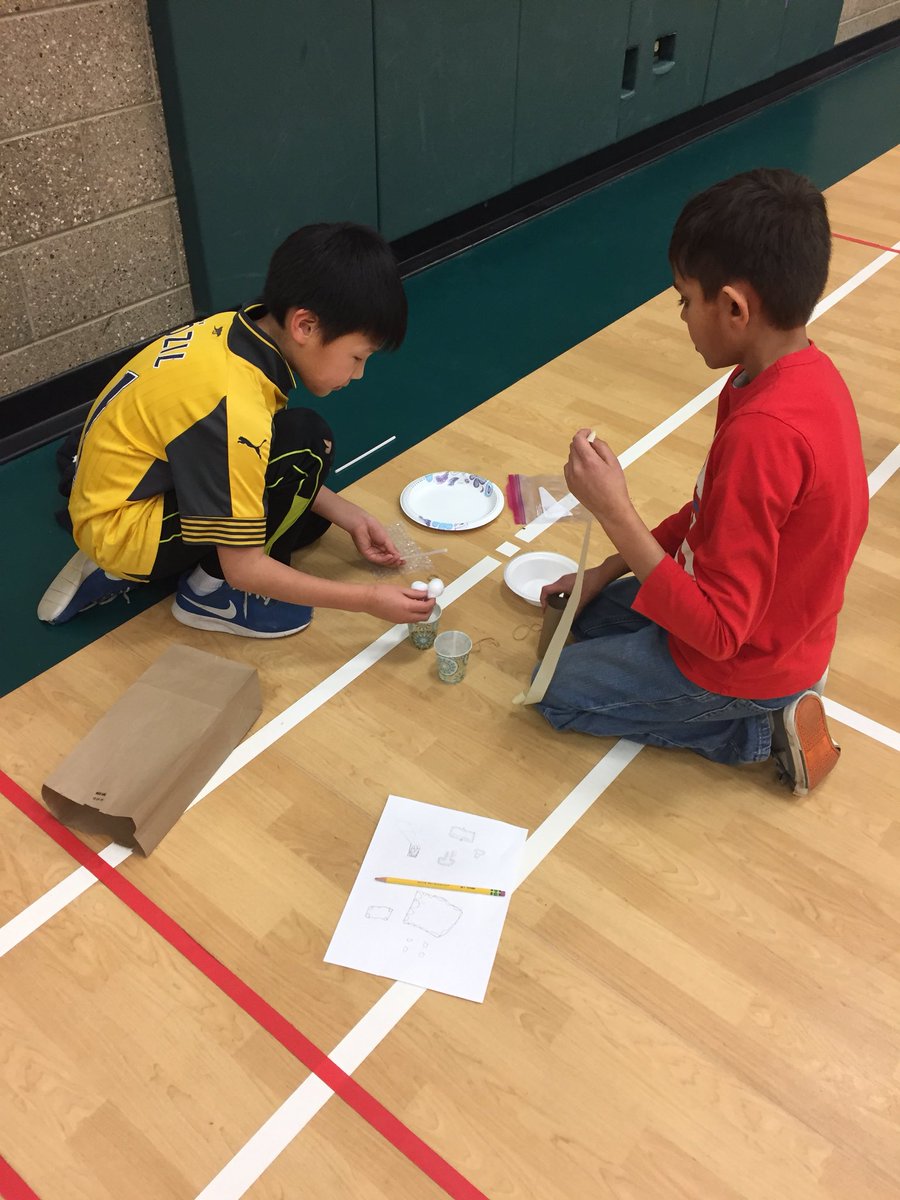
(452, 500)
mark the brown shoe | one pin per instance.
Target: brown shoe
(801, 744)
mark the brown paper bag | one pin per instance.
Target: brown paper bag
(144, 761)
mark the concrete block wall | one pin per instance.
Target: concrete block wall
(91, 255)
(858, 16)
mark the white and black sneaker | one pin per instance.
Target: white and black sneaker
(80, 585)
(226, 610)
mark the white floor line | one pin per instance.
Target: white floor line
(33, 917)
(368, 1033)
(70, 888)
(862, 724)
(872, 729)
(291, 1117)
(365, 454)
(883, 472)
(28, 923)
(288, 1121)
(336, 682)
(700, 401)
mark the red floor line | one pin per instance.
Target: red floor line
(845, 237)
(12, 1185)
(362, 1102)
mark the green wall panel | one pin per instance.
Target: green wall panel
(569, 75)
(445, 75)
(673, 80)
(810, 27)
(746, 44)
(270, 111)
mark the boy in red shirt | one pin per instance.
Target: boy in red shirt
(727, 621)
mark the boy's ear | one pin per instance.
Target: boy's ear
(736, 297)
(301, 324)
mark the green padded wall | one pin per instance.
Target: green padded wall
(755, 38)
(674, 80)
(401, 112)
(270, 112)
(745, 46)
(569, 75)
(810, 27)
(445, 79)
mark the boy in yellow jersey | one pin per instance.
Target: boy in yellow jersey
(189, 462)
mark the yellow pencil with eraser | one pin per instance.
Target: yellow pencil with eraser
(446, 887)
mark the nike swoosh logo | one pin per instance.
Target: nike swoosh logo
(225, 613)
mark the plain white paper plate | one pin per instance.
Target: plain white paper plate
(526, 574)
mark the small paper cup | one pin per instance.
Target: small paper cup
(452, 650)
(423, 633)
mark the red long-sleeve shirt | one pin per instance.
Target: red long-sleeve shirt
(756, 563)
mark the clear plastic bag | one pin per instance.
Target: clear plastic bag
(541, 498)
(416, 561)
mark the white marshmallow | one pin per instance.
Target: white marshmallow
(435, 587)
(419, 586)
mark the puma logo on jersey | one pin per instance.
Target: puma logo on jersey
(242, 441)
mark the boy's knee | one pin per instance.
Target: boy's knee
(302, 429)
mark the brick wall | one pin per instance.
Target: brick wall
(91, 258)
(859, 15)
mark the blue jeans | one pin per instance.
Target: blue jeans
(619, 680)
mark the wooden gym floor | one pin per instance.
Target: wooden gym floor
(697, 989)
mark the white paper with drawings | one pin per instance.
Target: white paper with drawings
(443, 940)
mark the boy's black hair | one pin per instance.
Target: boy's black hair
(768, 227)
(347, 275)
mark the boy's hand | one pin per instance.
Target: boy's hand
(595, 580)
(372, 541)
(560, 587)
(595, 477)
(399, 604)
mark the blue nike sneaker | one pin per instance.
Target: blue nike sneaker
(81, 584)
(226, 610)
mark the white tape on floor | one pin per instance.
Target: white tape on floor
(883, 472)
(872, 729)
(33, 917)
(297, 1111)
(29, 920)
(70, 888)
(336, 682)
(269, 1141)
(678, 418)
(261, 1150)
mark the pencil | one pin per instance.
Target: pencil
(446, 887)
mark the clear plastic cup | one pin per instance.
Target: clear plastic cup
(452, 650)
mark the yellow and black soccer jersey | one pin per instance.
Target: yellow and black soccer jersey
(191, 413)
